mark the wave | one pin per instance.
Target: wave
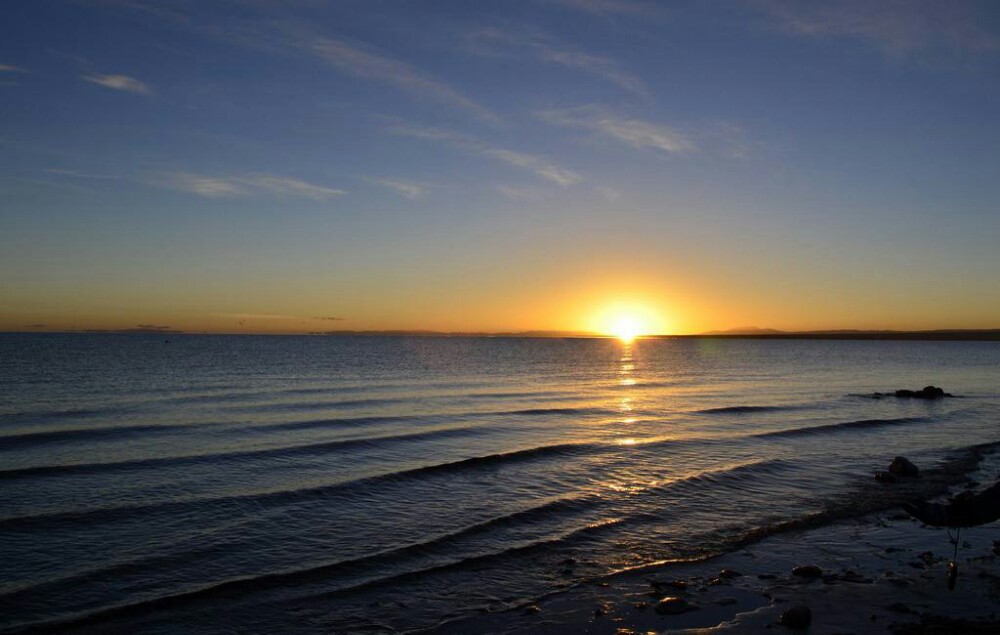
(46, 415)
(559, 506)
(839, 427)
(436, 418)
(641, 385)
(111, 514)
(744, 409)
(436, 553)
(29, 439)
(322, 405)
(543, 451)
(739, 472)
(553, 395)
(437, 545)
(867, 497)
(350, 422)
(267, 581)
(363, 403)
(555, 411)
(279, 452)
(870, 496)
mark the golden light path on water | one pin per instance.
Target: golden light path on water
(626, 419)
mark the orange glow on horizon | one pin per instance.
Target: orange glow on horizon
(628, 321)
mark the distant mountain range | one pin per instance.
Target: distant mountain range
(405, 333)
(855, 334)
(745, 332)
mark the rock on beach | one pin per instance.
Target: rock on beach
(673, 606)
(902, 466)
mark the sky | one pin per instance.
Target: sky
(684, 166)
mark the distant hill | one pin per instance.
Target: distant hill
(405, 333)
(989, 335)
(746, 330)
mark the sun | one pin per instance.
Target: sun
(627, 321)
(626, 328)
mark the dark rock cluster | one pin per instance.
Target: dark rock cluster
(927, 392)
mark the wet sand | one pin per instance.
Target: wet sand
(881, 573)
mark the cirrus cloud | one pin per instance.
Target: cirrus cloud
(898, 27)
(632, 132)
(243, 185)
(533, 43)
(409, 189)
(370, 65)
(540, 166)
(122, 83)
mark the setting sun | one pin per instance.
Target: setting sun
(626, 329)
(628, 321)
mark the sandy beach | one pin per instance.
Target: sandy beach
(879, 573)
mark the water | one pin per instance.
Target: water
(219, 483)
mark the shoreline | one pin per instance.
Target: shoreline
(882, 572)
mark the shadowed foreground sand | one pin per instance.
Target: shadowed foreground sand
(882, 573)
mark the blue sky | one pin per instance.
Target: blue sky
(260, 164)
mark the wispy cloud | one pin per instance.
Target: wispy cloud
(211, 187)
(9, 68)
(289, 187)
(529, 42)
(409, 189)
(118, 82)
(540, 166)
(370, 65)
(632, 132)
(290, 35)
(244, 185)
(898, 27)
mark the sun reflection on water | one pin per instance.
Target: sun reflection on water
(626, 402)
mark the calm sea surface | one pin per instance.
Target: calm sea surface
(220, 483)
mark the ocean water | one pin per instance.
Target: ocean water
(351, 484)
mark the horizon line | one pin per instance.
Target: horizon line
(986, 334)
